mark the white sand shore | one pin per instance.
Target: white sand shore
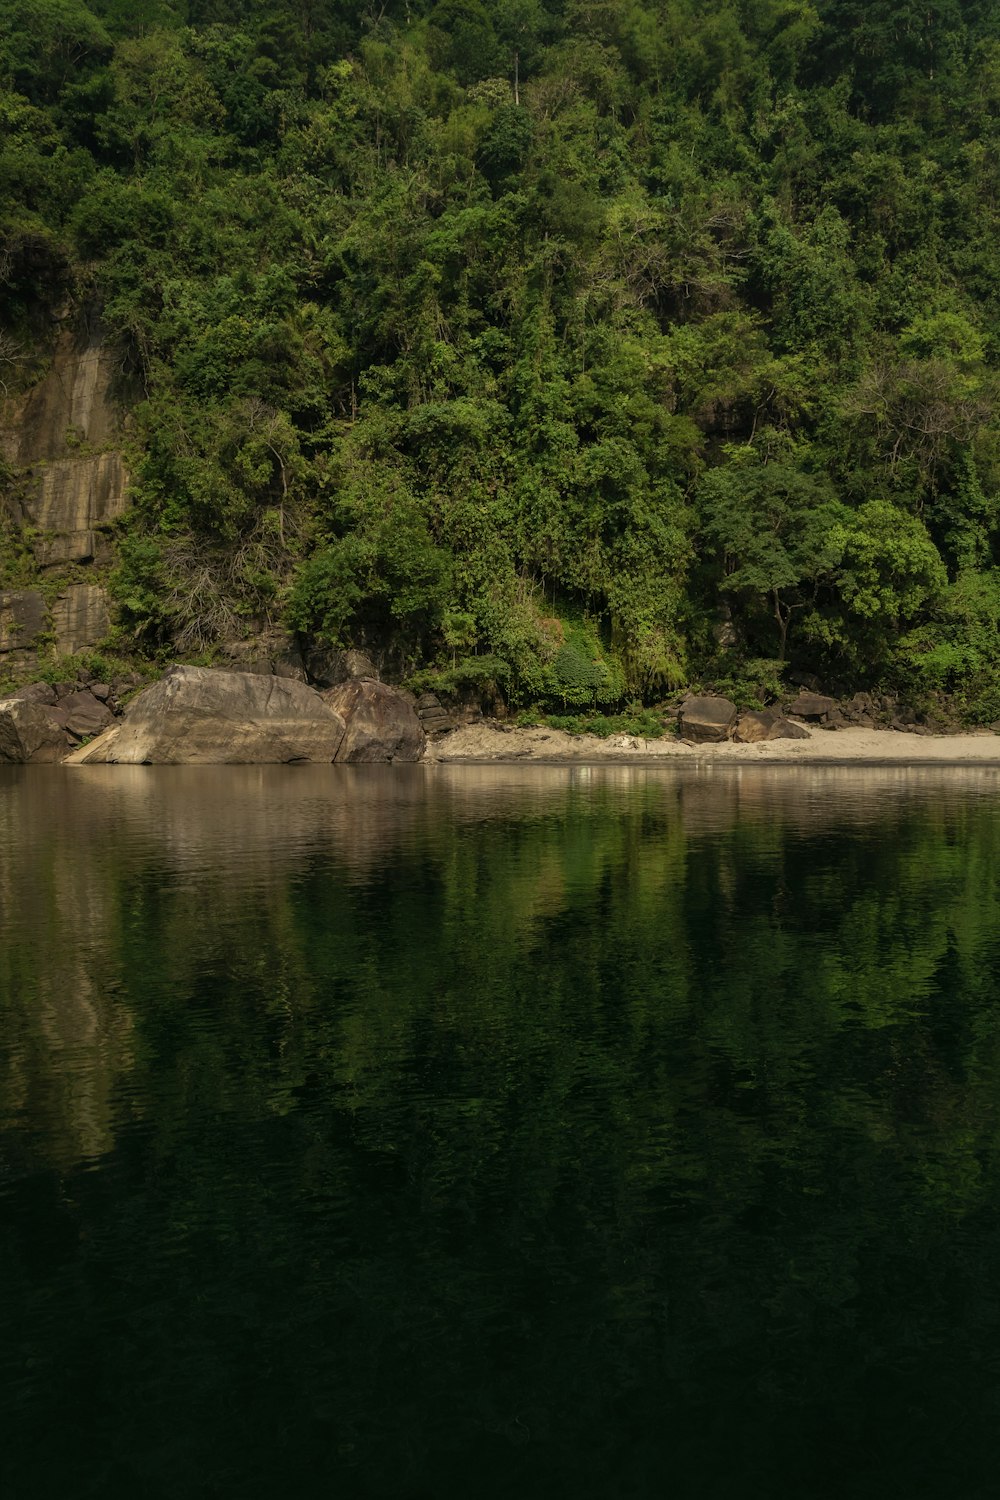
(502, 743)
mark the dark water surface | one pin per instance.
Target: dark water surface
(487, 1132)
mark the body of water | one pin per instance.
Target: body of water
(433, 1133)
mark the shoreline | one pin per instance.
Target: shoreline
(494, 744)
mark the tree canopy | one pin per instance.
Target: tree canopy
(474, 331)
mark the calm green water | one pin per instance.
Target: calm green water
(499, 1132)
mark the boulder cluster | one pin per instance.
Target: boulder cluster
(46, 721)
(712, 719)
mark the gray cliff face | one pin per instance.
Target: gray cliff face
(62, 439)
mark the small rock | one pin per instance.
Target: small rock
(84, 716)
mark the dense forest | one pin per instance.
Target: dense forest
(566, 350)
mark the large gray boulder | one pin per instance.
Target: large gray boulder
(382, 724)
(753, 727)
(28, 734)
(707, 720)
(196, 716)
(767, 724)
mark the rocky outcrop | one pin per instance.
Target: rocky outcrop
(28, 734)
(382, 724)
(435, 719)
(813, 706)
(80, 397)
(81, 618)
(329, 667)
(270, 653)
(196, 716)
(77, 710)
(707, 720)
(81, 714)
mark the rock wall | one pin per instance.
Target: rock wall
(69, 501)
(62, 438)
(81, 618)
(81, 396)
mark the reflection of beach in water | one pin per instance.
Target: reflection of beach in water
(252, 820)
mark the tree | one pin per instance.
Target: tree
(774, 525)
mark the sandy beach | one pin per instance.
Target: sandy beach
(491, 741)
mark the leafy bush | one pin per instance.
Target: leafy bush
(750, 684)
(956, 653)
(644, 723)
(582, 672)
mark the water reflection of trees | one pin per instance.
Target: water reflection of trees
(546, 1125)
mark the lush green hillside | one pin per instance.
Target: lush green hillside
(584, 347)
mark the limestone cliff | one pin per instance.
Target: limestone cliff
(62, 439)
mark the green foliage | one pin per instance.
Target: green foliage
(751, 684)
(645, 723)
(582, 671)
(955, 652)
(481, 674)
(139, 586)
(385, 571)
(683, 316)
(776, 528)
